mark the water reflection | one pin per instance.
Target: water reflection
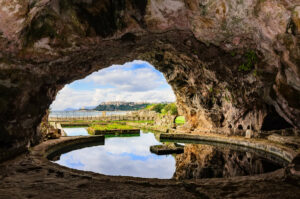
(75, 131)
(130, 156)
(126, 156)
(203, 161)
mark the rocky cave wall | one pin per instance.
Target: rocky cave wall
(230, 63)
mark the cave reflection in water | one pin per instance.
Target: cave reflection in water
(130, 156)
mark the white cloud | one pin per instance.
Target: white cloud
(125, 84)
(122, 156)
(125, 78)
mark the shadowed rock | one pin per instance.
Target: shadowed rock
(232, 64)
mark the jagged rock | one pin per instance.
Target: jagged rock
(46, 130)
(230, 63)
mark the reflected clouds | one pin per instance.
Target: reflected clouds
(136, 81)
(75, 131)
(126, 156)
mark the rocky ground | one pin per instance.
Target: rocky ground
(233, 65)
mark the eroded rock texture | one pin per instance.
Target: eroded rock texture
(231, 63)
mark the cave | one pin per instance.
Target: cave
(273, 121)
(228, 62)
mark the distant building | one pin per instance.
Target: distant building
(83, 109)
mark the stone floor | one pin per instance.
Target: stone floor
(32, 176)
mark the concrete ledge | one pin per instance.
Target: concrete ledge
(116, 132)
(166, 149)
(46, 149)
(281, 151)
(149, 127)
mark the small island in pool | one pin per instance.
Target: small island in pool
(112, 128)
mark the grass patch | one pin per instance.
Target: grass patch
(140, 121)
(111, 126)
(251, 60)
(180, 120)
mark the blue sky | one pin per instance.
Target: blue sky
(126, 156)
(135, 81)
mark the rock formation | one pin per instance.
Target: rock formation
(232, 64)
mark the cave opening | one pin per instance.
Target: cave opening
(273, 121)
(137, 81)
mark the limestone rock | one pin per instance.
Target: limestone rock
(285, 140)
(230, 63)
(249, 133)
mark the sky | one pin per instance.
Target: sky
(136, 81)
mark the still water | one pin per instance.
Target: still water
(125, 156)
(130, 156)
(75, 131)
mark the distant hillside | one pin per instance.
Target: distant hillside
(121, 107)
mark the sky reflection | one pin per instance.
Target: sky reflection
(126, 156)
(75, 131)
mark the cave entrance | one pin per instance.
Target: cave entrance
(134, 91)
(136, 81)
(273, 121)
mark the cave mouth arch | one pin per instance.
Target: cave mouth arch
(137, 81)
(189, 66)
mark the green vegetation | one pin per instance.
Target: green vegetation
(255, 73)
(41, 26)
(111, 126)
(170, 108)
(180, 120)
(156, 107)
(163, 108)
(121, 107)
(251, 60)
(137, 121)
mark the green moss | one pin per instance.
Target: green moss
(251, 60)
(255, 73)
(227, 98)
(42, 26)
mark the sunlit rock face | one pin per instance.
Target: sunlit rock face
(231, 63)
(204, 161)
